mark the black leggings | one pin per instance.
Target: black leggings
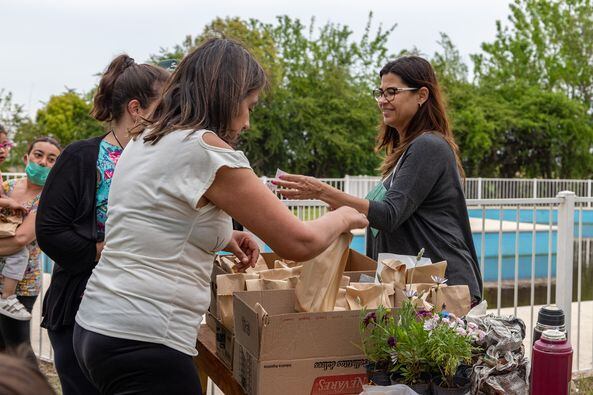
(120, 366)
(72, 379)
(15, 333)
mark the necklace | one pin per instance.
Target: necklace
(116, 139)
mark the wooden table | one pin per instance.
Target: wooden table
(210, 366)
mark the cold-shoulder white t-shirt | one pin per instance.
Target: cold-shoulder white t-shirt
(152, 281)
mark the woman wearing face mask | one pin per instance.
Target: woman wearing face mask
(71, 218)
(178, 184)
(40, 158)
(420, 202)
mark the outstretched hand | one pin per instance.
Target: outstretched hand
(299, 187)
(244, 247)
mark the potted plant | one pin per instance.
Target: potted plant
(449, 348)
(377, 334)
(409, 359)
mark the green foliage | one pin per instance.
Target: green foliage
(318, 116)
(526, 113)
(411, 361)
(548, 44)
(512, 126)
(447, 350)
(376, 329)
(64, 117)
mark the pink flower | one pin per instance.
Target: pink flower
(114, 156)
(461, 331)
(430, 324)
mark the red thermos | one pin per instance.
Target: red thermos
(551, 364)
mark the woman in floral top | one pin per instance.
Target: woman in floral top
(106, 162)
(43, 153)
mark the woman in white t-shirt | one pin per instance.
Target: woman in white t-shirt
(177, 184)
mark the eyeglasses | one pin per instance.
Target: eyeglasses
(6, 145)
(389, 93)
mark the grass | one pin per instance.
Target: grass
(50, 372)
(582, 386)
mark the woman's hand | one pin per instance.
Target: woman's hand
(300, 187)
(353, 218)
(12, 204)
(244, 247)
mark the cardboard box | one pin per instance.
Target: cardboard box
(356, 262)
(314, 376)
(225, 337)
(225, 342)
(295, 353)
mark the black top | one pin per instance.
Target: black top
(66, 229)
(425, 208)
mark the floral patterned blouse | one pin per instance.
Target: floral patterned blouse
(106, 161)
(30, 285)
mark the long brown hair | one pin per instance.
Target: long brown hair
(415, 72)
(125, 80)
(206, 90)
(20, 376)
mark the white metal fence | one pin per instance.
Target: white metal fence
(481, 188)
(531, 251)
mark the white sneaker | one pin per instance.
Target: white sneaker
(11, 307)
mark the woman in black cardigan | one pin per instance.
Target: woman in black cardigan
(71, 218)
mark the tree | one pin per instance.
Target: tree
(513, 128)
(317, 116)
(64, 117)
(549, 43)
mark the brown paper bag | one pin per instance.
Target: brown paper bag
(394, 272)
(370, 296)
(456, 299)
(260, 266)
(421, 304)
(262, 284)
(227, 263)
(280, 274)
(422, 288)
(226, 285)
(284, 264)
(399, 295)
(341, 302)
(345, 281)
(9, 221)
(320, 279)
(422, 274)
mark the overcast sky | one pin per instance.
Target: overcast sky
(48, 45)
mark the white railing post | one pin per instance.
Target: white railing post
(535, 188)
(564, 256)
(589, 191)
(479, 188)
(347, 184)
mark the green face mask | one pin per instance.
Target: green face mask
(37, 174)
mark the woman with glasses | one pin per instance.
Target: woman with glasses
(420, 202)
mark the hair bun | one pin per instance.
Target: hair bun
(129, 62)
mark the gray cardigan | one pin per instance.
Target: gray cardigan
(425, 208)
